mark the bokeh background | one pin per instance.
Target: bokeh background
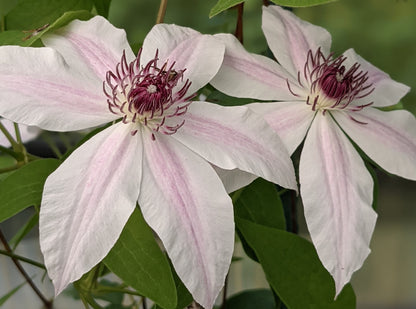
(383, 32)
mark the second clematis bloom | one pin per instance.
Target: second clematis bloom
(326, 102)
(159, 151)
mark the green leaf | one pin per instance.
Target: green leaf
(102, 7)
(183, 295)
(12, 37)
(260, 203)
(301, 3)
(115, 298)
(29, 14)
(292, 268)
(6, 6)
(23, 188)
(4, 298)
(137, 259)
(222, 99)
(16, 37)
(24, 230)
(260, 298)
(223, 5)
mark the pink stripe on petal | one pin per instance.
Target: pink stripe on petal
(388, 138)
(290, 38)
(386, 91)
(46, 93)
(93, 47)
(290, 120)
(95, 56)
(337, 192)
(184, 201)
(87, 201)
(243, 74)
(229, 139)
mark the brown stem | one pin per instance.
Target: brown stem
(47, 303)
(194, 305)
(294, 213)
(239, 26)
(266, 2)
(224, 295)
(162, 11)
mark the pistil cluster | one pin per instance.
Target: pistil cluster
(331, 86)
(147, 95)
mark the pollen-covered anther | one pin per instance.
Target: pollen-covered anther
(331, 85)
(148, 95)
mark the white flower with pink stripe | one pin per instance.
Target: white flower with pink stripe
(160, 150)
(326, 102)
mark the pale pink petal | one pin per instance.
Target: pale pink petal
(27, 133)
(93, 47)
(234, 179)
(200, 55)
(247, 75)
(291, 120)
(337, 192)
(235, 137)
(185, 203)
(38, 88)
(388, 138)
(386, 91)
(87, 201)
(290, 38)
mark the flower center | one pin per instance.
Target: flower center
(148, 95)
(331, 85)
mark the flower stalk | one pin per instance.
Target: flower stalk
(47, 303)
(162, 11)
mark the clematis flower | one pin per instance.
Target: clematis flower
(159, 151)
(326, 101)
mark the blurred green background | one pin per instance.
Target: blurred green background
(381, 31)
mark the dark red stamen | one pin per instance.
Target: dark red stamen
(147, 94)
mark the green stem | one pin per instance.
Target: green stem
(47, 303)
(20, 142)
(8, 136)
(51, 144)
(162, 11)
(117, 290)
(22, 258)
(10, 168)
(8, 151)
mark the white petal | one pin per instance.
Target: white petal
(386, 91)
(234, 179)
(290, 38)
(87, 201)
(291, 120)
(337, 192)
(388, 138)
(247, 75)
(38, 88)
(235, 137)
(184, 201)
(93, 47)
(201, 55)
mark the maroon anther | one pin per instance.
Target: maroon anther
(328, 79)
(147, 94)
